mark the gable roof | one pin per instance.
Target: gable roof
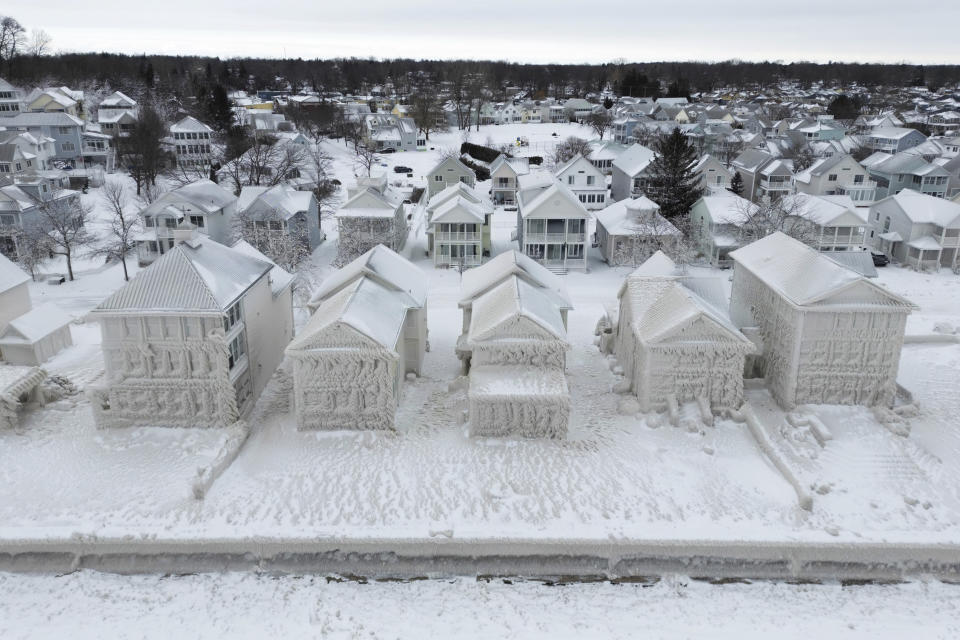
(802, 274)
(385, 266)
(624, 218)
(458, 209)
(921, 208)
(35, 324)
(10, 274)
(510, 300)
(634, 160)
(199, 275)
(662, 307)
(462, 190)
(557, 192)
(190, 124)
(476, 281)
(569, 164)
(282, 198)
(456, 164)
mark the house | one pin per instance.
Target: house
(629, 173)
(11, 99)
(586, 181)
(504, 172)
(66, 132)
(56, 100)
(839, 174)
(447, 173)
(943, 122)
(603, 153)
(917, 229)
(38, 151)
(893, 139)
(191, 143)
(828, 334)
(14, 292)
(373, 214)
(838, 225)
(272, 214)
(630, 231)
(36, 336)
(117, 114)
(577, 109)
(673, 345)
(714, 175)
(476, 282)
(715, 222)
(461, 190)
(517, 342)
(203, 206)
(385, 131)
(551, 223)
(193, 339)
(368, 330)
(20, 211)
(774, 180)
(748, 164)
(456, 229)
(894, 173)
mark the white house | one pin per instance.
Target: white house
(714, 175)
(828, 334)
(191, 143)
(675, 346)
(14, 291)
(203, 206)
(893, 139)
(586, 181)
(192, 340)
(456, 227)
(476, 282)
(36, 336)
(373, 214)
(630, 231)
(449, 172)
(917, 229)
(838, 224)
(272, 214)
(517, 382)
(551, 224)
(715, 223)
(504, 173)
(11, 99)
(367, 331)
(629, 173)
(839, 174)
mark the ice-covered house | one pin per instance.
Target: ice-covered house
(715, 222)
(676, 345)
(477, 282)
(14, 291)
(917, 229)
(630, 231)
(368, 330)
(36, 336)
(203, 206)
(192, 340)
(373, 214)
(449, 172)
(517, 382)
(504, 172)
(629, 176)
(551, 223)
(829, 335)
(272, 215)
(586, 181)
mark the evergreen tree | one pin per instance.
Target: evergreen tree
(674, 184)
(736, 185)
(221, 115)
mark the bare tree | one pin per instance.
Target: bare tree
(267, 162)
(599, 122)
(366, 159)
(568, 149)
(39, 43)
(427, 112)
(788, 214)
(123, 223)
(63, 220)
(33, 247)
(12, 37)
(800, 153)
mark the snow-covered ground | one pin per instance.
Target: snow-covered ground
(616, 480)
(243, 605)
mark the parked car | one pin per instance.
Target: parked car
(879, 259)
(388, 150)
(402, 169)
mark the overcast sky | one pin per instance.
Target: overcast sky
(918, 31)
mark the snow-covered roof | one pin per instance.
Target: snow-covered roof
(281, 198)
(370, 203)
(474, 282)
(459, 190)
(726, 208)
(894, 133)
(365, 305)
(634, 160)
(44, 118)
(189, 124)
(279, 278)
(803, 275)
(659, 265)
(10, 274)
(198, 275)
(497, 311)
(826, 210)
(35, 325)
(385, 266)
(204, 194)
(458, 210)
(925, 243)
(637, 216)
(921, 208)
(531, 201)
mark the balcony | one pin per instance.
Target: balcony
(554, 238)
(456, 236)
(453, 261)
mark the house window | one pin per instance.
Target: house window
(719, 179)
(886, 224)
(65, 130)
(463, 179)
(590, 180)
(858, 179)
(199, 222)
(68, 146)
(574, 250)
(232, 318)
(832, 177)
(438, 178)
(570, 179)
(238, 348)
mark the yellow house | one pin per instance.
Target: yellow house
(53, 101)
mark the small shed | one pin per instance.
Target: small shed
(36, 336)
